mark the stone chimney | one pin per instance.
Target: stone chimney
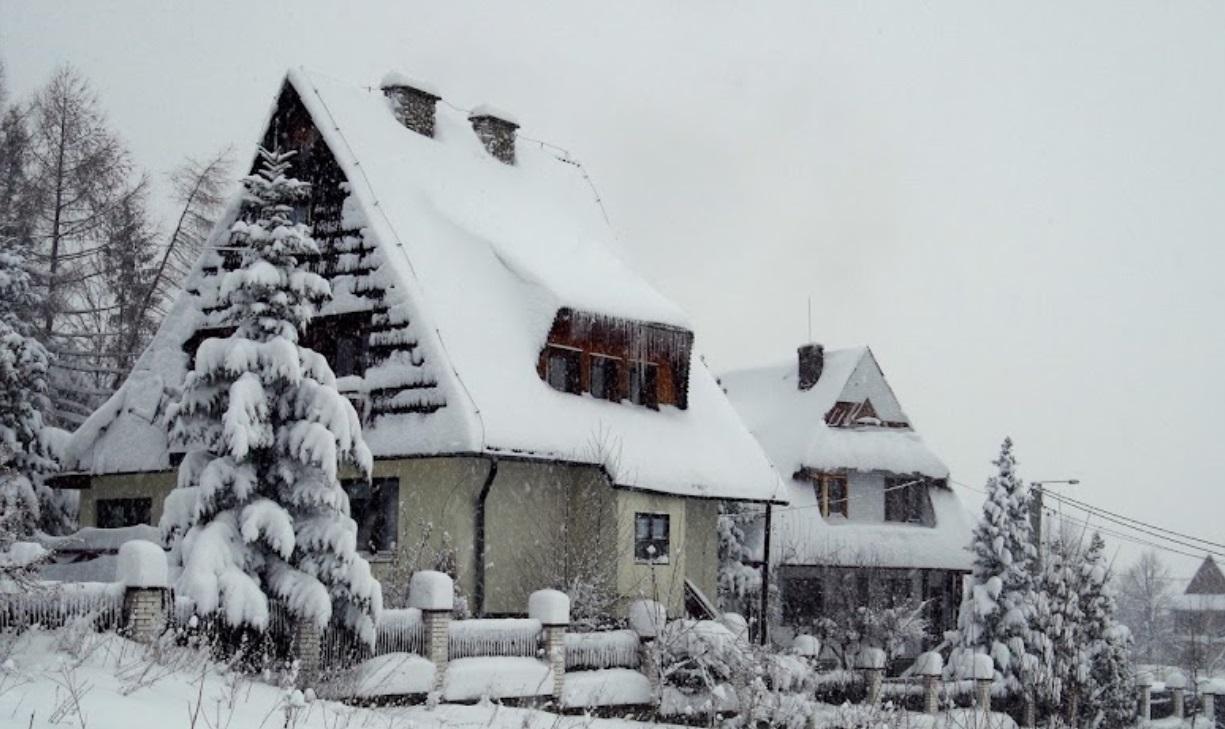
(412, 101)
(496, 130)
(812, 361)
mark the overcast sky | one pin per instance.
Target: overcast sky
(1019, 206)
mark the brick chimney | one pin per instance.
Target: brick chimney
(812, 362)
(496, 130)
(412, 101)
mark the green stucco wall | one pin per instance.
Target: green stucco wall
(545, 523)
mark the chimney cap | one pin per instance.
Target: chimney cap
(397, 80)
(489, 111)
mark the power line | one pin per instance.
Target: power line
(1149, 532)
(1085, 506)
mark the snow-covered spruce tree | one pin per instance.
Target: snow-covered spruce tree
(1108, 697)
(1001, 610)
(26, 503)
(1061, 622)
(739, 581)
(259, 513)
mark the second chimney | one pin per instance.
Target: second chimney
(496, 130)
(812, 362)
(412, 101)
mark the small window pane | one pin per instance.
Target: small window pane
(837, 494)
(562, 369)
(651, 538)
(375, 506)
(644, 384)
(117, 513)
(604, 378)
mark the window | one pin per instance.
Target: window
(803, 600)
(651, 538)
(375, 506)
(562, 368)
(644, 384)
(897, 590)
(115, 513)
(350, 350)
(604, 382)
(905, 499)
(832, 495)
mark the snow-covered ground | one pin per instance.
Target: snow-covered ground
(77, 678)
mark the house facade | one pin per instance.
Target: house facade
(1199, 615)
(537, 411)
(871, 519)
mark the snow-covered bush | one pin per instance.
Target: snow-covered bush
(890, 627)
(259, 512)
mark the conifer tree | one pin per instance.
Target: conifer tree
(259, 512)
(1000, 612)
(1108, 696)
(1061, 622)
(26, 503)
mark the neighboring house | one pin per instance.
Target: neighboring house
(872, 519)
(1199, 616)
(537, 411)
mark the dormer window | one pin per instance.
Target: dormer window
(562, 368)
(644, 384)
(617, 360)
(605, 377)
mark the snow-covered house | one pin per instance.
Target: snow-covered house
(537, 411)
(871, 516)
(1199, 612)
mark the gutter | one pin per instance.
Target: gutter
(478, 540)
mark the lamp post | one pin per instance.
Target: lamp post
(1036, 508)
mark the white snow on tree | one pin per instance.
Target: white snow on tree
(1108, 697)
(1061, 621)
(739, 581)
(26, 503)
(1000, 611)
(259, 513)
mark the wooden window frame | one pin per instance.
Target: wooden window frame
(641, 543)
(573, 357)
(616, 364)
(380, 489)
(639, 367)
(822, 484)
(120, 505)
(913, 492)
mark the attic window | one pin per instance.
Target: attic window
(832, 495)
(644, 384)
(907, 501)
(342, 340)
(562, 368)
(604, 378)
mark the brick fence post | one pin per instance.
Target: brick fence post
(648, 619)
(1145, 683)
(1208, 702)
(433, 593)
(143, 571)
(872, 662)
(984, 675)
(1176, 682)
(552, 609)
(931, 667)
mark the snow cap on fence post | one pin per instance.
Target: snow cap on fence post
(929, 664)
(550, 607)
(736, 623)
(871, 659)
(982, 667)
(428, 590)
(647, 618)
(806, 645)
(1175, 680)
(142, 564)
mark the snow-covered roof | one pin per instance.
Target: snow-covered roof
(790, 425)
(482, 256)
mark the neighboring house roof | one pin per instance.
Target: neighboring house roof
(477, 257)
(1205, 592)
(791, 426)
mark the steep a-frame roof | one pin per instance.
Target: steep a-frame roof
(472, 260)
(1205, 592)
